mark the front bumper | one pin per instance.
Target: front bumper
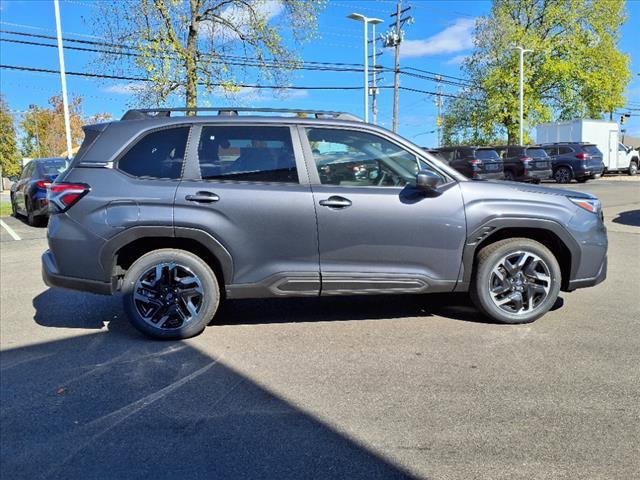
(590, 282)
(53, 278)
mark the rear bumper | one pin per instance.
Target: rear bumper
(490, 176)
(590, 282)
(53, 278)
(537, 175)
(589, 172)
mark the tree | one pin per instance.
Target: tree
(180, 45)
(44, 131)
(575, 70)
(9, 155)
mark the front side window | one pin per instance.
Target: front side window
(360, 159)
(159, 154)
(247, 154)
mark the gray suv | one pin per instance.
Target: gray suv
(180, 212)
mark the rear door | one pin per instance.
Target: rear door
(246, 186)
(540, 159)
(376, 231)
(490, 160)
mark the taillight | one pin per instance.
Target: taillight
(525, 159)
(582, 156)
(42, 184)
(63, 196)
(475, 161)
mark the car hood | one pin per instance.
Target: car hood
(508, 190)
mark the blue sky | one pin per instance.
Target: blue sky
(437, 41)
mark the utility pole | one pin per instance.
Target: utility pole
(394, 39)
(63, 79)
(522, 52)
(438, 99)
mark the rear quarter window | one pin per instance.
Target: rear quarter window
(159, 154)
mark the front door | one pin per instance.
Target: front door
(376, 231)
(245, 186)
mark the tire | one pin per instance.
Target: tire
(539, 264)
(166, 301)
(31, 218)
(562, 175)
(633, 168)
(14, 209)
(508, 176)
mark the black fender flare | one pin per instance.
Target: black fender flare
(495, 224)
(115, 243)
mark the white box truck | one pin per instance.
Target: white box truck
(605, 135)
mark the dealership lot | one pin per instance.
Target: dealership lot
(365, 387)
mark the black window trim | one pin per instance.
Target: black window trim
(192, 162)
(143, 134)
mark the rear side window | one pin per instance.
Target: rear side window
(564, 150)
(551, 150)
(487, 155)
(247, 154)
(159, 154)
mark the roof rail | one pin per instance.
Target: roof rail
(141, 113)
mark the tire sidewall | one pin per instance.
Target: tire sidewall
(633, 168)
(211, 296)
(480, 286)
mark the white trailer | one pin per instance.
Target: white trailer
(605, 135)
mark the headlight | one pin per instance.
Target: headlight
(590, 204)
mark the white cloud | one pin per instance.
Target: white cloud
(457, 60)
(455, 38)
(124, 88)
(239, 15)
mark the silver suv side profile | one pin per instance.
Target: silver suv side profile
(178, 213)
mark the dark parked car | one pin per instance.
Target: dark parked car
(525, 163)
(579, 161)
(473, 162)
(29, 192)
(178, 213)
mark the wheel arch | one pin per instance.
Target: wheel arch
(121, 251)
(549, 233)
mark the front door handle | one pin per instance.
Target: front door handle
(203, 197)
(335, 201)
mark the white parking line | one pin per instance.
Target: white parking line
(10, 230)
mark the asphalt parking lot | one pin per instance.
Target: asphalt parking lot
(365, 387)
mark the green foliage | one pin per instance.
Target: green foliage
(9, 155)
(184, 46)
(575, 70)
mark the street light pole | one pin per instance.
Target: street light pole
(366, 21)
(522, 52)
(63, 79)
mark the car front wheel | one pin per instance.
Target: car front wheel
(633, 168)
(517, 280)
(170, 294)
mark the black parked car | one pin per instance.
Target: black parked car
(574, 160)
(29, 193)
(525, 163)
(472, 162)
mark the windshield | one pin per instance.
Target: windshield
(591, 150)
(53, 167)
(487, 155)
(536, 152)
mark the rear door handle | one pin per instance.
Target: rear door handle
(203, 197)
(335, 201)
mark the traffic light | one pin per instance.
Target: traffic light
(621, 119)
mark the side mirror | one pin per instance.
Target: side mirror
(427, 180)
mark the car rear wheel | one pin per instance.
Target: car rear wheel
(170, 294)
(14, 209)
(562, 175)
(517, 280)
(633, 168)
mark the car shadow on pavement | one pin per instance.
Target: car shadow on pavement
(111, 404)
(630, 217)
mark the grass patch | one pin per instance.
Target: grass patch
(5, 209)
